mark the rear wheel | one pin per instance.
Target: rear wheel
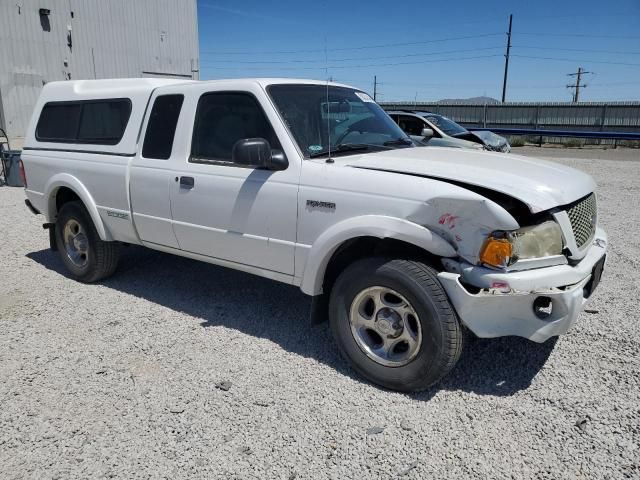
(87, 258)
(393, 321)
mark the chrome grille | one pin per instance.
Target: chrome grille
(583, 216)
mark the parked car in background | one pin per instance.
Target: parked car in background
(437, 130)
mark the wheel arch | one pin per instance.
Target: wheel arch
(357, 237)
(63, 188)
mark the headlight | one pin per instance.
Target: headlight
(502, 249)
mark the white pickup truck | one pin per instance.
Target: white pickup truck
(311, 183)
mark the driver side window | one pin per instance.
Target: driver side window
(222, 119)
(411, 125)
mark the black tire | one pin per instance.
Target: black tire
(442, 333)
(101, 258)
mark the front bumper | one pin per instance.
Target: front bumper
(493, 313)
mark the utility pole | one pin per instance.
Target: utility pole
(577, 86)
(375, 87)
(506, 60)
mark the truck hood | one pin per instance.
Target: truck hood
(540, 184)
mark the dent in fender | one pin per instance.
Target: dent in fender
(366, 226)
(71, 182)
(465, 223)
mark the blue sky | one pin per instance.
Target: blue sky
(429, 50)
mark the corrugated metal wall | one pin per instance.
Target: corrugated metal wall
(593, 116)
(84, 39)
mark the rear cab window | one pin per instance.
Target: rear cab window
(161, 128)
(96, 122)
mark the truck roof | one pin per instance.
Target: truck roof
(271, 81)
(105, 88)
(115, 87)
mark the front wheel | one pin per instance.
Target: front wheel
(393, 321)
(87, 258)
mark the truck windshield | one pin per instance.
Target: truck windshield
(339, 119)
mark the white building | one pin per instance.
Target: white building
(46, 40)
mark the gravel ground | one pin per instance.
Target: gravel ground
(127, 378)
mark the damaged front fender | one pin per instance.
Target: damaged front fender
(464, 222)
(366, 226)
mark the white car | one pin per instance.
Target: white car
(425, 133)
(436, 130)
(313, 184)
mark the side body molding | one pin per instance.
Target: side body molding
(71, 182)
(366, 226)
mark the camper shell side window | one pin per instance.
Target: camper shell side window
(96, 122)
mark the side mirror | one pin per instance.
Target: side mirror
(278, 161)
(257, 153)
(427, 133)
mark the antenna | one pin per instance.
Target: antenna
(326, 71)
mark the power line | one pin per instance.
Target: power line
(613, 83)
(280, 62)
(556, 86)
(438, 60)
(579, 35)
(414, 84)
(614, 52)
(423, 42)
(573, 60)
(362, 47)
(407, 55)
(598, 15)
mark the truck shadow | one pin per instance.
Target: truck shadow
(263, 308)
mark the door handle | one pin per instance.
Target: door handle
(187, 182)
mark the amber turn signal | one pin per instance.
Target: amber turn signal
(496, 252)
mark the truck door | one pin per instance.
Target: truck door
(151, 175)
(229, 211)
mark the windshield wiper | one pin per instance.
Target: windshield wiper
(399, 141)
(345, 148)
